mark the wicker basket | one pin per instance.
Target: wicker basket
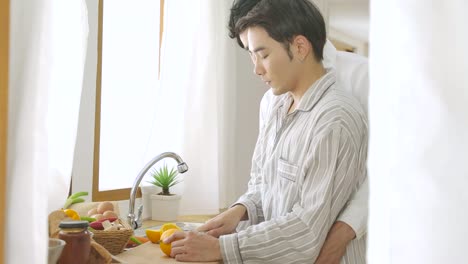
(114, 241)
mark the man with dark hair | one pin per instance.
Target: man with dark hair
(310, 155)
(352, 76)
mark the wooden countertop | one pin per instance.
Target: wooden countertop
(148, 253)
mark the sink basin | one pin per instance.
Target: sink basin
(186, 226)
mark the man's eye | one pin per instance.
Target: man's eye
(266, 56)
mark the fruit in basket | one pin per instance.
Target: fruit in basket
(99, 224)
(153, 235)
(105, 206)
(166, 248)
(108, 214)
(92, 212)
(96, 225)
(103, 210)
(110, 219)
(98, 216)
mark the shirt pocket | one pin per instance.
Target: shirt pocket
(287, 192)
(287, 170)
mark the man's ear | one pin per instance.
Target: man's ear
(302, 47)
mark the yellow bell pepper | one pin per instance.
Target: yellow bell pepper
(72, 214)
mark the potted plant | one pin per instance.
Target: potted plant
(165, 205)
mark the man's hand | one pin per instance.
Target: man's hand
(224, 223)
(335, 245)
(194, 246)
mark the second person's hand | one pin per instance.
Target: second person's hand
(224, 223)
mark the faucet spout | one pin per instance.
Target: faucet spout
(133, 220)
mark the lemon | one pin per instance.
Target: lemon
(153, 235)
(166, 248)
(168, 226)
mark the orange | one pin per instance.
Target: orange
(168, 226)
(153, 235)
(72, 214)
(166, 248)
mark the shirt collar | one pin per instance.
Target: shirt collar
(316, 91)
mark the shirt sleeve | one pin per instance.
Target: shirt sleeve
(252, 201)
(332, 172)
(355, 214)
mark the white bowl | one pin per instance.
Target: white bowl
(55, 249)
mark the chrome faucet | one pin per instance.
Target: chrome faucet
(135, 222)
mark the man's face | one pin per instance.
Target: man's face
(271, 60)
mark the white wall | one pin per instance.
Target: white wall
(244, 126)
(351, 18)
(323, 6)
(349, 23)
(249, 93)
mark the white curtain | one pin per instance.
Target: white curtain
(207, 106)
(419, 132)
(48, 44)
(199, 95)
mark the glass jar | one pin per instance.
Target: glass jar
(78, 239)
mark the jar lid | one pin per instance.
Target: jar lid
(74, 224)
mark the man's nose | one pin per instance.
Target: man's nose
(259, 69)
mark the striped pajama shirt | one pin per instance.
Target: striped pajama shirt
(305, 167)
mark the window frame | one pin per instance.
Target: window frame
(4, 77)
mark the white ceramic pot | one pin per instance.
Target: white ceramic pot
(146, 192)
(164, 207)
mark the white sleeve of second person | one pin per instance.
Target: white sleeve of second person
(355, 214)
(353, 76)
